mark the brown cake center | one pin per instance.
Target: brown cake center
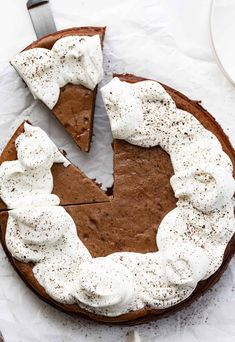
(142, 197)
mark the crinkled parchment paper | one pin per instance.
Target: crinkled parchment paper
(167, 40)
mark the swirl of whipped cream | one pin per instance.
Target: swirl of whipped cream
(36, 150)
(209, 231)
(151, 280)
(59, 272)
(206, 187)
(206, 150)
(31, 231)
(72, 59)
(186, 264)
(118, 99)
(40, 70)
(81, 59)
(217, 225)
(138, 111)
(104, 284)
(28, 180)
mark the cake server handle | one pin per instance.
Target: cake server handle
(41, 17)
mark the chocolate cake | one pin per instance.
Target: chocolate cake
(128, 221)
(70, 184)
(75, 107)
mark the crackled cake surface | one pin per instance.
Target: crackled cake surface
(191, 238)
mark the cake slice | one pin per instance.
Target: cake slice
(70, 184)
(73, 104)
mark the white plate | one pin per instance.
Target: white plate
(223, 35)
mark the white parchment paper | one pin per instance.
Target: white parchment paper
(167, 40)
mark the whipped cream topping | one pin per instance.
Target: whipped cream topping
(32, 231)
(193, 183)
(72, 59)
(191, 239)
(28, 180)
(112, 285)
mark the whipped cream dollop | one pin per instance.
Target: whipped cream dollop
(28, 180)
(105, 285)
(72, 59)
(194, 183)
(191, 238)
(32, 231)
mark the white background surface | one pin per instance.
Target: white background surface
(163, 39)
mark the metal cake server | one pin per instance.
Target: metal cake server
(41, 17)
